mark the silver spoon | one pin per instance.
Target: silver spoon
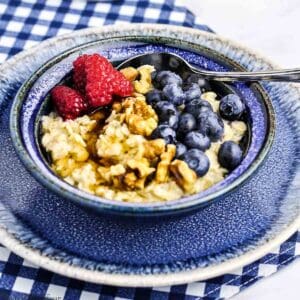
(173, 62)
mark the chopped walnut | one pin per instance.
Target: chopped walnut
(154, 148)
(122, 142)
(141, 108)
(132, 181)
(137, 125)
(139, 96)
(144, 85)
(142, 166)
(184, 176)
(140, 117)
(130, 73)
(162, 172)
(142, 171)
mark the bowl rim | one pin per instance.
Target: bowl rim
(119, 207)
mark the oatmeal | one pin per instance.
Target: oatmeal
(146, 146)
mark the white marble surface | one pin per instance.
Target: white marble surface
(273, 28)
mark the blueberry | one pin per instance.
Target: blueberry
(197, 161)
(174, 94)
(186, 123)
(153, 76)
(205, 103)
(154, 96)
(231, 107)
(205, 109)
(196, 106)
(180, 149)
(201, 81)
(210, 124)
(193, 78)
(165, 132)
(204, 85)
(192, 91)
(171, 121)
(174, 64)
(198, 140)
(164, 78)
(230, 155)
(164, 109)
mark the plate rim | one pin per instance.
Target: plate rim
(151, 280)
(201, 273)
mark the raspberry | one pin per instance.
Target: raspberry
(122, 86)
(79, 77)
(95, 77)
(89, 68)
(97, 62)
(68, 103)
(98, 93)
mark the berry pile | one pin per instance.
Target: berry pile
(95, 83)
(190, 123)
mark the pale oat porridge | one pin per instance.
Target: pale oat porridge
(129, 151)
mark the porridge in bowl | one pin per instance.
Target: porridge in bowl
(139, 135)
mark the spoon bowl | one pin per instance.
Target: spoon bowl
(160, 61)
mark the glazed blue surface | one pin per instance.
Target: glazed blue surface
(224, 229)
(52, 75)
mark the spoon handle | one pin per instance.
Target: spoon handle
(288, 75)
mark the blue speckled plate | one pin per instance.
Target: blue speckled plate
(232, 232)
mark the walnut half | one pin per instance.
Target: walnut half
(140, 117)
(184, 176)
(130, 73)
(144, 85)
(162, 172)
(154, 148)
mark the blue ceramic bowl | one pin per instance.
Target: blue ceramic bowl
(31, 102)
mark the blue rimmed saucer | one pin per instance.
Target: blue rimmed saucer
(230, 233)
